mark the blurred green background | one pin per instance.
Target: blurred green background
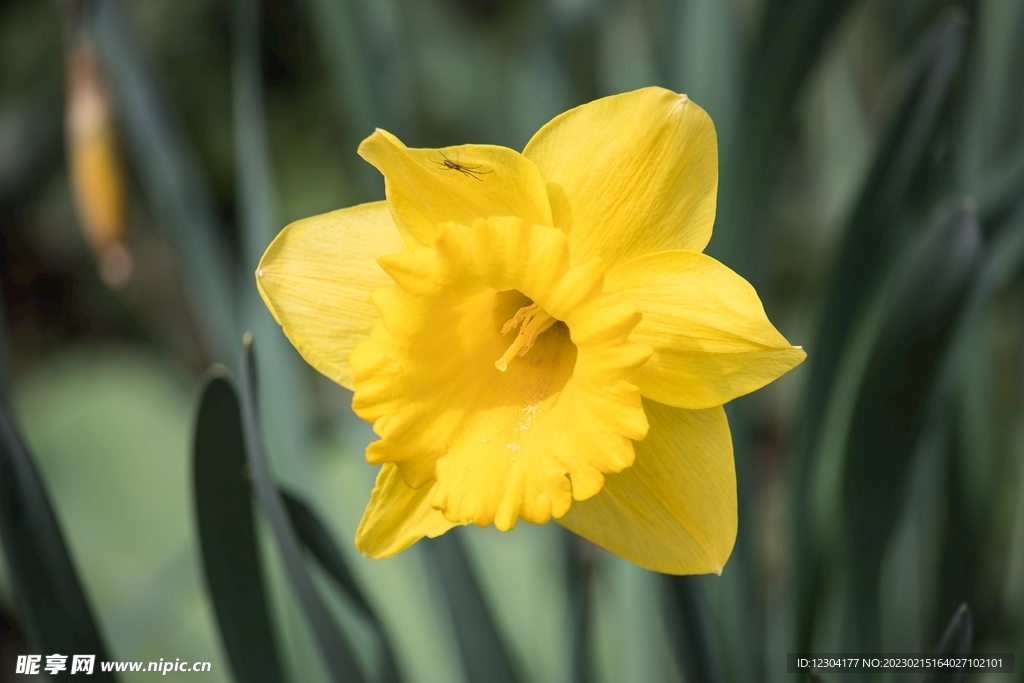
(871, 188)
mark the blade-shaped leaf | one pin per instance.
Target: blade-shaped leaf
(870, 231)
(318, 541)
(341, 41)
(1005, 258)
(867, 245)
(170, 174)
(959, 633)
(53, 602)
(483, 654)
(793, 35)
(5, 351)
(690, 629)
(227, 534)
(580, 564)
(333, 646)
(990, 151)
(286, 410)
(882, 398)
(956, 641)
(898, 383)
(970, 379)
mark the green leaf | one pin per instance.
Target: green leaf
(39, 566)
(483, 654)
(886, 389)
(224, 481)
(318, 541)
(227, 534)
(793, 34)
(701, 55)
(5, 351)
(628, 639)
(691, 631)
(256, 195)
(975, 374)
(870, 234)
(990, 150)
(580, 566)
(870, 240)
(340, 40)
(287, 406)
(901, 390)
(910, 569)
(333, 646)
(170, 175)
(1005, 259)
(88, 413)
(956, 641)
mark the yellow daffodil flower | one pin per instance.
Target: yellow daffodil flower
(538, 335)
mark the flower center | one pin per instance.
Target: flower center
(535, 321)
(523, 443)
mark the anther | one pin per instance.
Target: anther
(535, 321)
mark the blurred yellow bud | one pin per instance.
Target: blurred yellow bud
(97, 180)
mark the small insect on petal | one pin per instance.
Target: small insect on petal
(468, 171)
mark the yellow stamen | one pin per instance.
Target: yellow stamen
(534, 320)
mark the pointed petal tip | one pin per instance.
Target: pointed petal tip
(375, 136)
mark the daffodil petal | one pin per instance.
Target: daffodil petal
(397, 516)
(316, 278)
(674, 510)
(639, 172)
(711, 338)
(477, 181)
